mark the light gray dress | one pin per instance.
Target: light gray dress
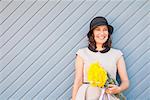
(108, 60)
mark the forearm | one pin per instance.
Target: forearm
(75, 89)
(124, 85)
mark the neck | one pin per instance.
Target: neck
(99, 47)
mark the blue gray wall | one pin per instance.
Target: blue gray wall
(39, 39)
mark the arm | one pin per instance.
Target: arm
(123, 76)
(78, 76)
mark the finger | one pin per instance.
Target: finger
(108, 91)
(111, 85)
(113, 88)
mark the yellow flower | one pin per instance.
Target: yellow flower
(97, 76)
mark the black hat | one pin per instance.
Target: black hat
(97, 21)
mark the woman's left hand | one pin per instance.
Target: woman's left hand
(113, 89)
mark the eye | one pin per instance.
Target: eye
(105, 29)
(97, 29)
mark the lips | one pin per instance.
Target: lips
(101, 37)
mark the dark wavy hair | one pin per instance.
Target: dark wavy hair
(92, 43)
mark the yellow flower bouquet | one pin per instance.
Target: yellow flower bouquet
(98, 76)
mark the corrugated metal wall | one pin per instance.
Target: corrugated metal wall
(39, 39)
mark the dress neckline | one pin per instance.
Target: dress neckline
(96, 51)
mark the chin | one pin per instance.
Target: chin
(100, 42)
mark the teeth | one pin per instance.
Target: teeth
(101, 37)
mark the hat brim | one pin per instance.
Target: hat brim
(110, 30)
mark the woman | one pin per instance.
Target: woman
(99, 49)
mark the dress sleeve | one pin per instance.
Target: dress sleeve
(119, 54)
(80, 53)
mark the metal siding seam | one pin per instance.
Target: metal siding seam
(11, 13)
(6, 6)
(129, 18)
(14, 57)
(14, 23)
(130, 29)
(139, 33)
(26, 69)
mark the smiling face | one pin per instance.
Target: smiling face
(100, 34)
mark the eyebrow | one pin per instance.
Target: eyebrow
(103, 27)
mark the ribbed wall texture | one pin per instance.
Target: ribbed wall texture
(39, 39)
